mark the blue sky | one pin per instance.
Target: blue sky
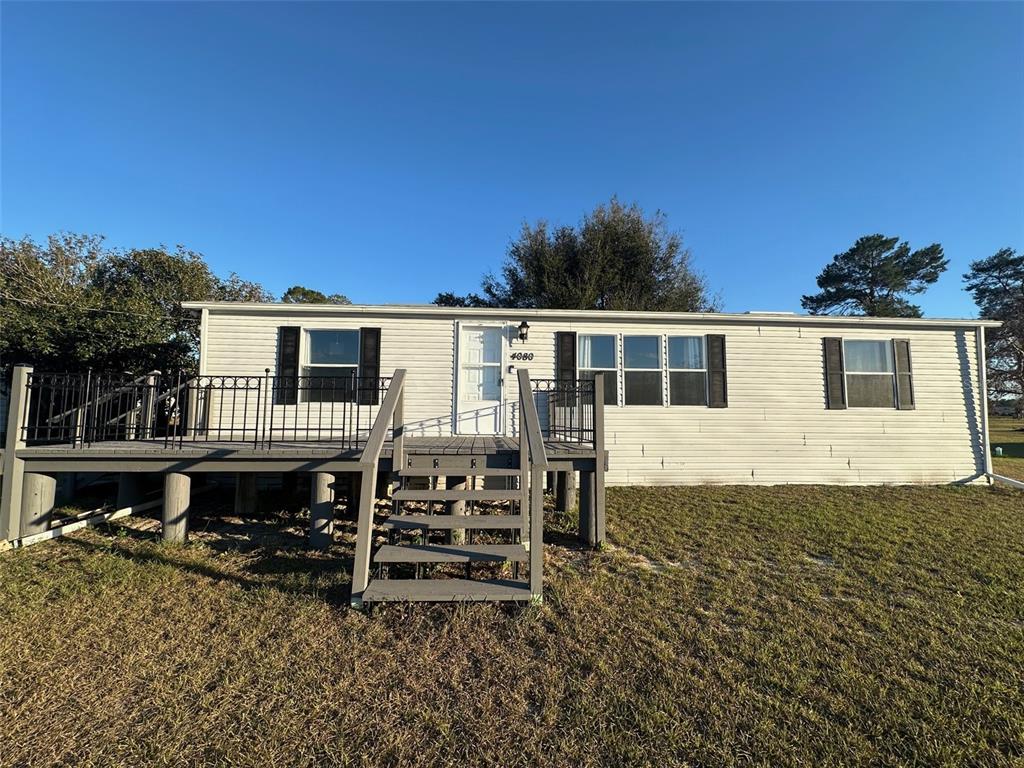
(389, 151)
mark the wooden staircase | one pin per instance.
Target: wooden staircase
(499, 537)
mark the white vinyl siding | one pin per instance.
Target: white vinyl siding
(775, 430)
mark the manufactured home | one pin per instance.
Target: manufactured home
(761, 398)
(459, 418)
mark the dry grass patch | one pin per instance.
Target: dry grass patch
(724, 626)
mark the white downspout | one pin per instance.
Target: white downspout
(204, 327)
(983, 386)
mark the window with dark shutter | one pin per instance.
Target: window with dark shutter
(687, 370)
(835, 376)
(331, 370)
(718, 386)
(286, 379)
(904, 375)
(369, 366)
(870, 373)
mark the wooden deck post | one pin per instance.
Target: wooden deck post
(599, 496)
(177, 500)
(245, 494)
(587, 531)
(14, 467)
(364, 536)
(355, 483)
(537, 534)
(565, 491)
(37, 503)
(456, 483)
(321, 511)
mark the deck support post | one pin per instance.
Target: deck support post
(587, 527)
(130, 489)
(39, 493)
(456, 483)
(364, 535)
(245, 494)
(565, 491)
(177, 500)
(11, 485)
(536, 505)
(355, 487)
(321, 511)
(599, 459)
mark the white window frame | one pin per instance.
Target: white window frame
(307, 348)
(660, 370)
(615, 361)
(847, 373)
(669, 370)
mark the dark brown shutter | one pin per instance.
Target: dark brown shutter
(904, 375)
(286, 381)
(718, 388)
(565, 356)
(565, 367)
(369, 366)
(835, 380)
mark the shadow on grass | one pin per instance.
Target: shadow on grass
(269, 557)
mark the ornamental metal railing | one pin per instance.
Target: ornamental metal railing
(566, 409)
(180, 409)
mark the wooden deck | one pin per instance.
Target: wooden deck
(196, 455)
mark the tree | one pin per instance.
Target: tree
(299, 294)
(997, 285)
(448, 299)
(615, 258)
(873, 277)
(71, 304)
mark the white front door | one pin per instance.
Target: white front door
(478, 405)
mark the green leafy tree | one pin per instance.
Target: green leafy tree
(997, 285)
(71, 304)
(873, 278)
(615, 258)
(449, 299)
(299, 294)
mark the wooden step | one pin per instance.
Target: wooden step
(452, 522)
(454, 464)
(451, 553)
(466, 471)
(446, 590)
(443, 494)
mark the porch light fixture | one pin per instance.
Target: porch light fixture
(524, 330)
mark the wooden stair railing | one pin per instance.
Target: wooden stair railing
(533, 463)
(390, 411)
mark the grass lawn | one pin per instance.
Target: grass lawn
(1008, 434)
(723, 626)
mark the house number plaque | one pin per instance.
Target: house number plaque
(522, 355)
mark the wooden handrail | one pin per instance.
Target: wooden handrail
(368, 477)
(533, 463)
(379, 431)
(529, 421)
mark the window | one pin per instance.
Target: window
(597, 355)
(332, 366)
(687, 371)
(870, 374)
(641, 365)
